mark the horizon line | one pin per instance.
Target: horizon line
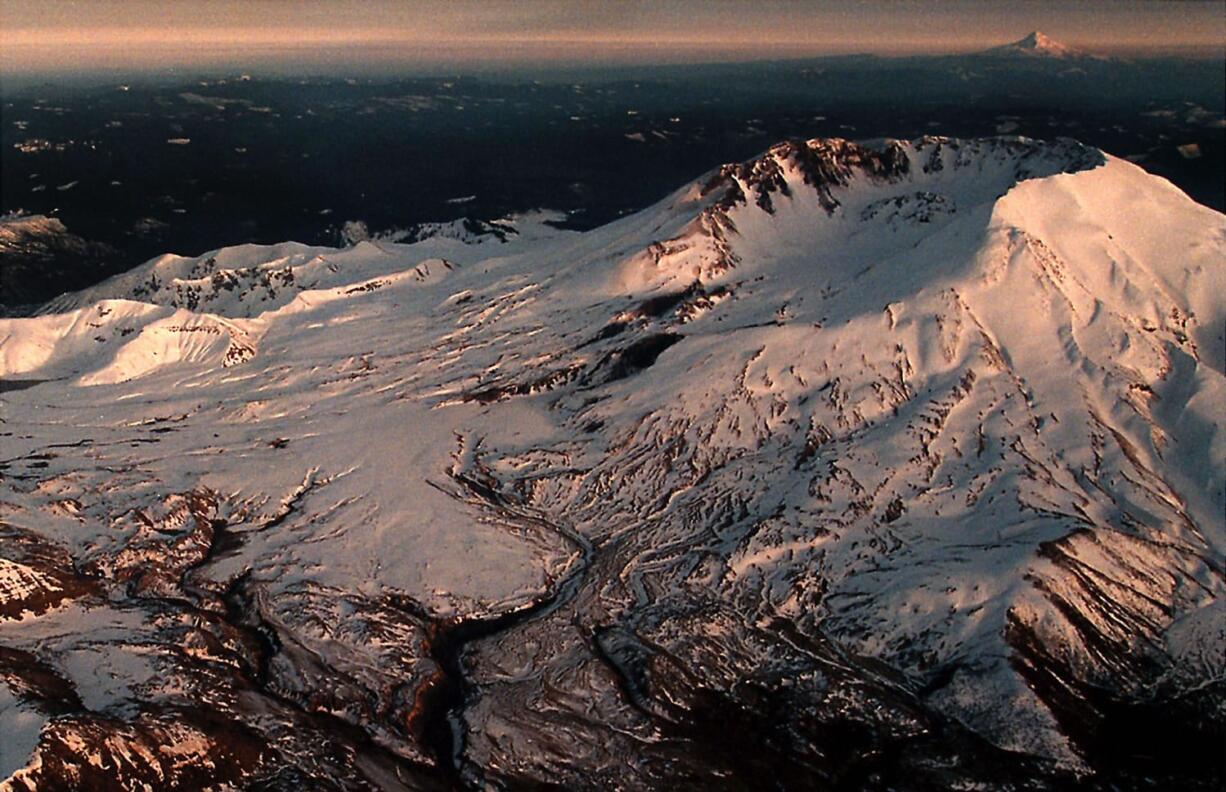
(473, 53)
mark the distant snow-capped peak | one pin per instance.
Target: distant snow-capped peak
(1036, 44)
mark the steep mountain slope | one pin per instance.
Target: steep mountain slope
(873, 465)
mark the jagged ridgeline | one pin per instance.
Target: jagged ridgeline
(882, 465)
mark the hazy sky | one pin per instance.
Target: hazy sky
(62, 35)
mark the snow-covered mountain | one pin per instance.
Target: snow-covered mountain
(882, 465)
(1034, 45)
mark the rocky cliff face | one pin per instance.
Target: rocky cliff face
(872, 465)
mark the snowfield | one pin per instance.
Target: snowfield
(895, 464)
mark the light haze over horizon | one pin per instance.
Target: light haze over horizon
(78, 38)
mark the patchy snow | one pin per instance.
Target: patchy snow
(19, 582)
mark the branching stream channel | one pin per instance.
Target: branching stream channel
(437, 719)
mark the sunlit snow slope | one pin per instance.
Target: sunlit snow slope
(884, 465)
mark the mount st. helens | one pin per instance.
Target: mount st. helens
(874, 465)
